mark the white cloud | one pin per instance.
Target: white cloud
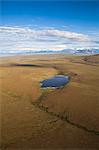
(17, 38)
(46, 32)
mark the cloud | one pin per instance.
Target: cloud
(97, 42)
(46, 32)
(18, 38)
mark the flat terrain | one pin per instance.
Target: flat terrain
(32, 118)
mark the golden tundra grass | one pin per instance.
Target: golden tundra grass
(64, 118)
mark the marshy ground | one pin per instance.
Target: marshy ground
(49, 119)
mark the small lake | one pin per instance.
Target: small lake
(55, 82)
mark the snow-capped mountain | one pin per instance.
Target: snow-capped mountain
(78, 51)
(87, 51)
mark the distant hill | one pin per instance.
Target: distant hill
(92, 59)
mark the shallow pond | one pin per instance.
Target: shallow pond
(55, 82)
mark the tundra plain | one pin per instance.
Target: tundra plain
(35, 118)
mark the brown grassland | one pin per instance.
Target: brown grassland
(33, 118)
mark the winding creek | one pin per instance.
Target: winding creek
(59, 81)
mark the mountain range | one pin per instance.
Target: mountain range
(64, 51)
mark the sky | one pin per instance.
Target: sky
(49, 25)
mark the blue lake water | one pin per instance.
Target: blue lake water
(55, 82)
